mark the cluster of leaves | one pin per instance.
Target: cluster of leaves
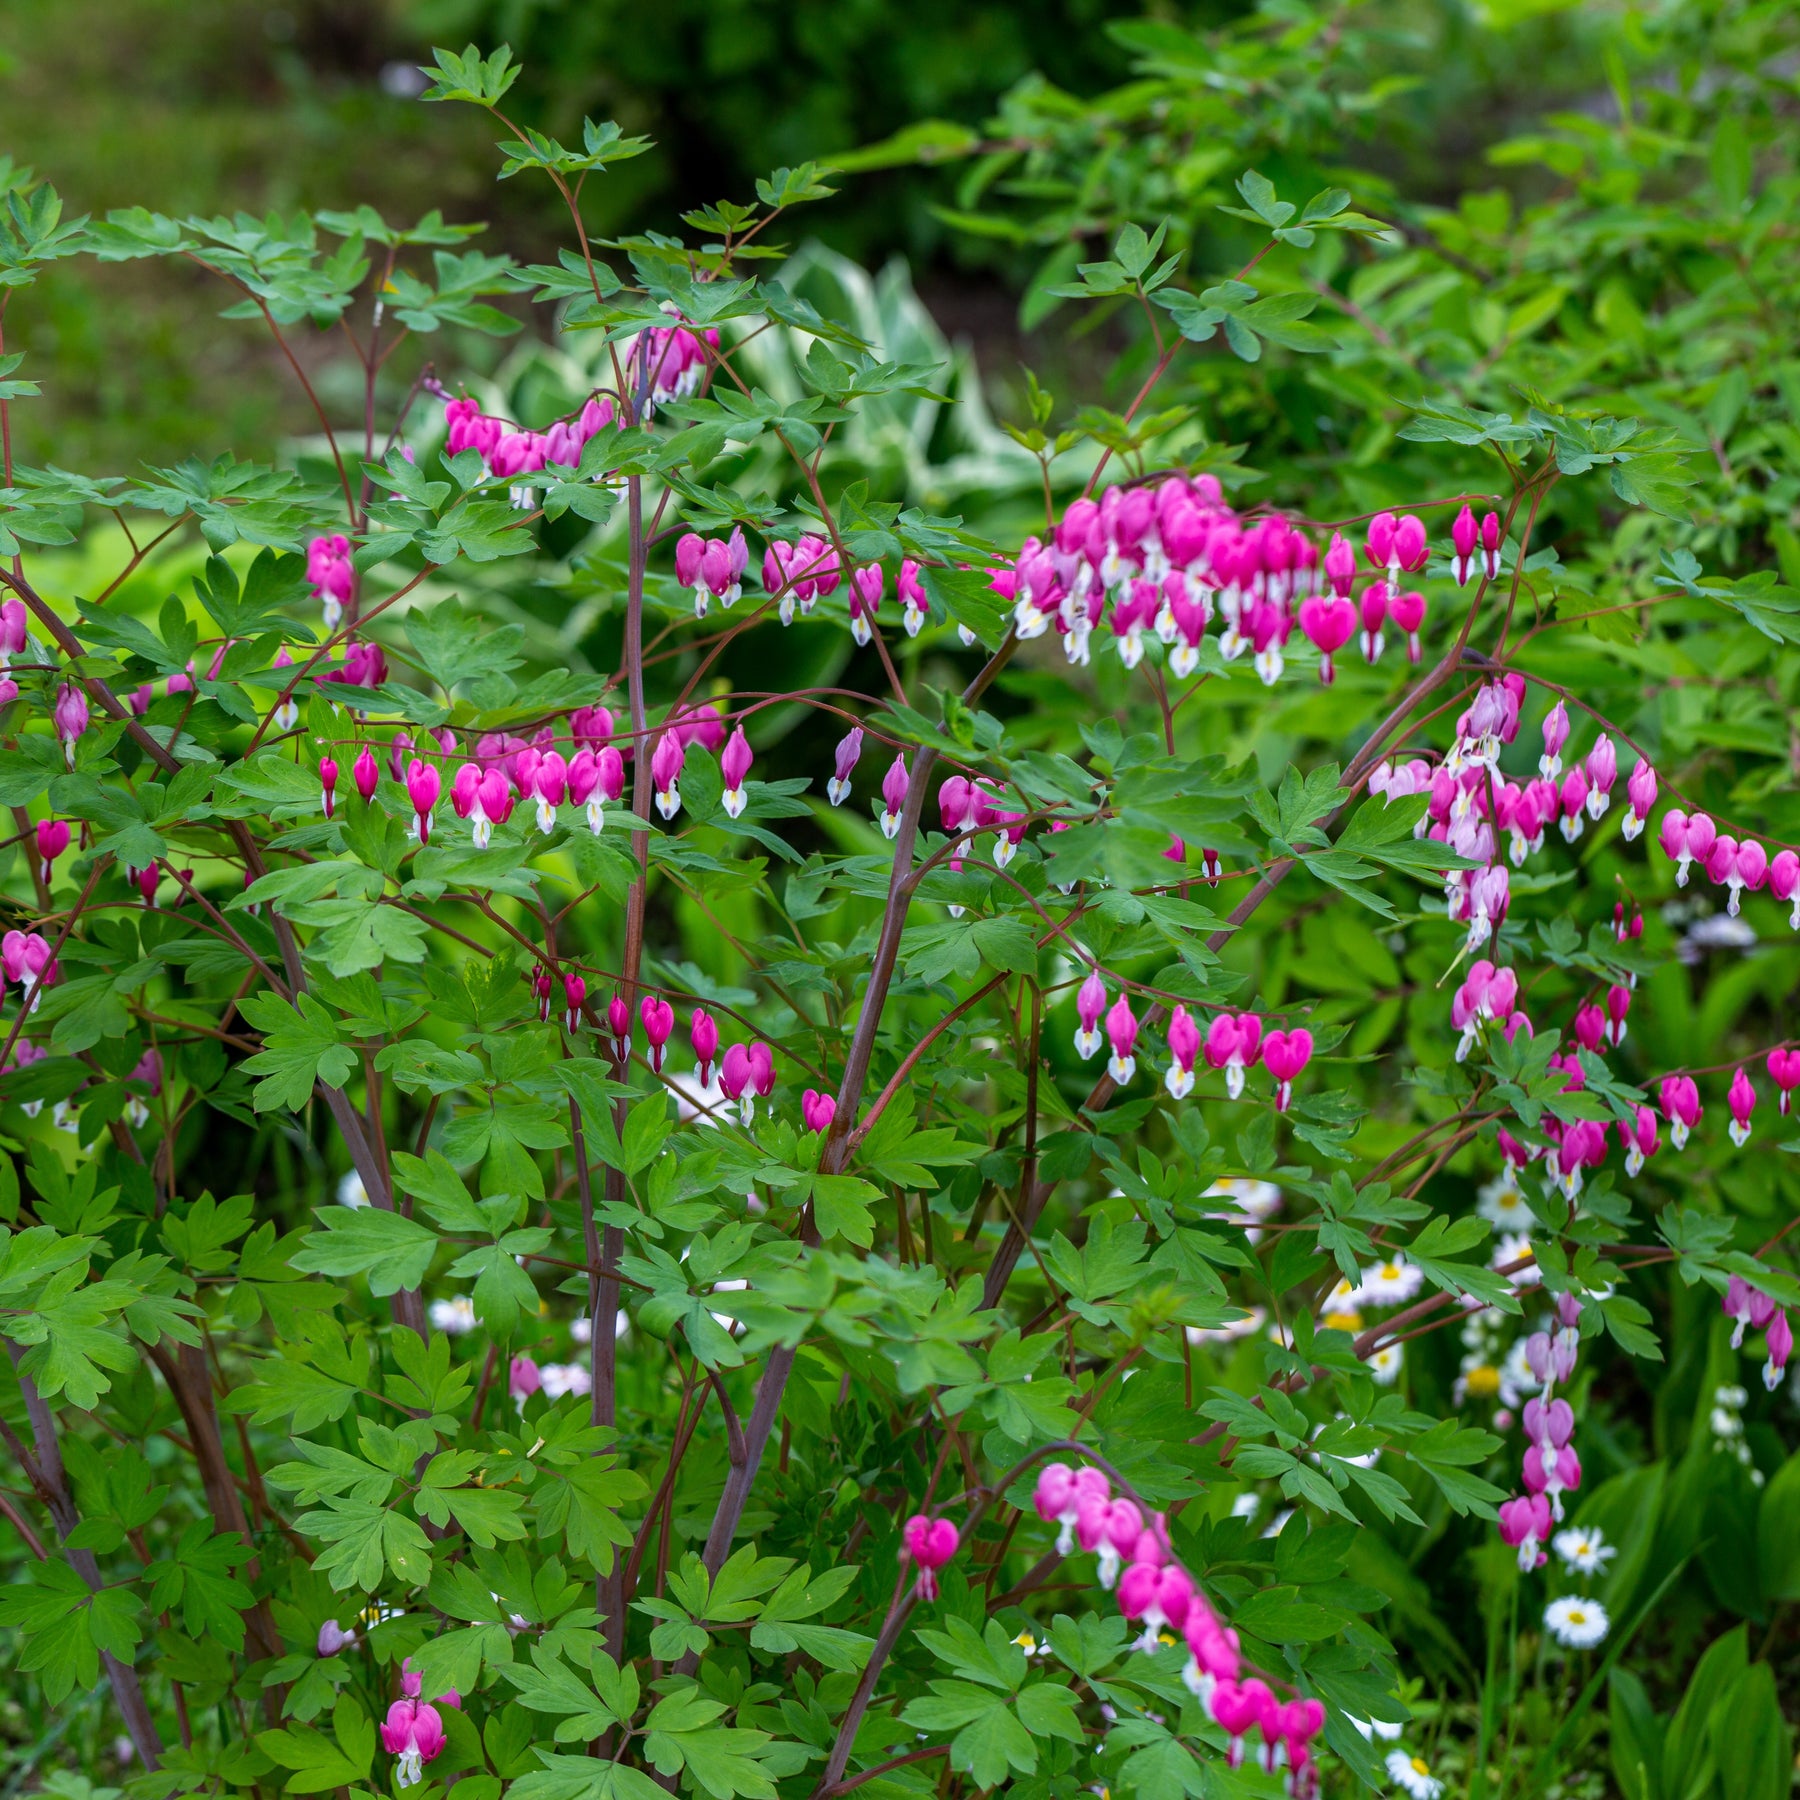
(238, 1421)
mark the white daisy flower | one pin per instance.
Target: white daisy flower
(1583, 1551)
(453, 1316)
(1575, 1623)
(1391, 1283)
(1413, 1773)
(1504, 1207)
(351, 1192)
(1346, 1297)
(1245, 1506)
(1510, 1248)
(1385, 1364)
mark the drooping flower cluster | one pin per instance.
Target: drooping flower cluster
(1159, 561)
(1233, 1043)
(1749, 1307)
(1155, 1591)
(510, 454)
(413, 1730)
(1551, 1466)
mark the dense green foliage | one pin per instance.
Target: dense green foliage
(244, 1405)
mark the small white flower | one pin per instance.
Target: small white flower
(1511, 1247)
(351, 1191)
(1260, 1199)
(1583, 1552)
(453, 1316)
(1246, 1505)
(1344, 1298)
(1575, 1623)
(1517, 1383)
(1504, 1207)
(1413, 1774)
(1232, 1329)
(1391, 1283)
(1385, 1364)
(566, 1378)
(1371, 1729)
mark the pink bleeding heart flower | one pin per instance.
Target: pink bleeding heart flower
(414, 1732)
(1184, 1049)
(1556, 735)
(523, 1379)
(1464, 536)
(52, 841)
(70, 716)
(894, 786)
(1680, 1106)
(866, 585)
(703, 1034)
(931, 1543)
(1742, 1101)
(1340, 564)
(916, 607)
(1525, 1524)
(1784, 1071)
(1784, 882)
(1640, 1140)
(1159, 1596)
(1408, 613)
(737, 1081)
(1328, 622)
(1090, 1004)
(762, 1069)
(734, 766)
(423, 784)
(665, 772)
(849, 751)
(1373, 611)
(618, 1025)
(1702, 835)
(1236, 1708)
(328, 777)
(1781, 1347)
(574, 998)
(1285, 1054)
(659, 1021)
(817, 1110)
(1640, 794)
(1122, 1029)
(1673, 836)
(366, 773)
(1379, 545)
(1055, 1499)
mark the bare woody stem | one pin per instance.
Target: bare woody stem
(44, 1470)
(901, 883)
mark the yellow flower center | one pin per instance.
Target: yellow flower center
(1343, 1321)
(1390, 1272)
(1577, 1616)
(1483, 1381)
(1423, 1767)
